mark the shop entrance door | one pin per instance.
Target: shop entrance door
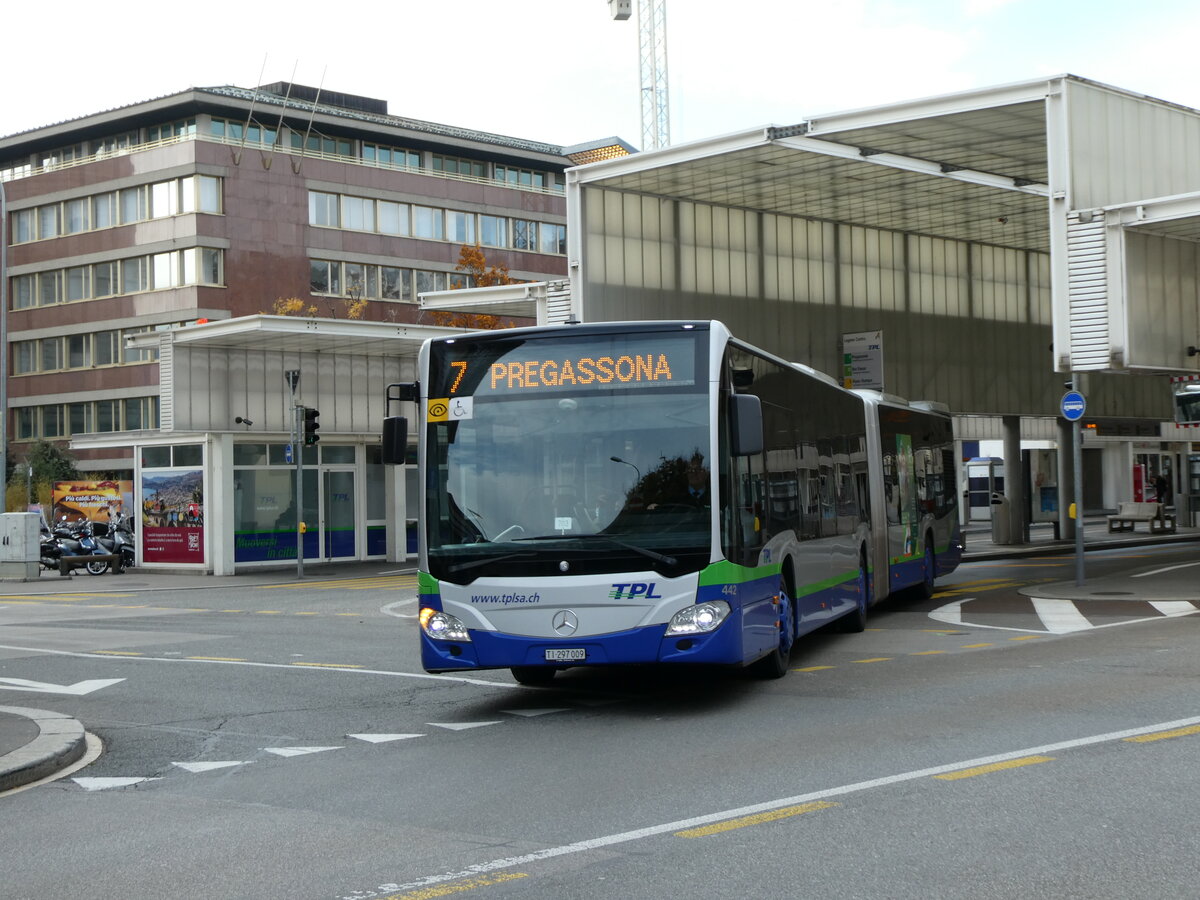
(337, 537)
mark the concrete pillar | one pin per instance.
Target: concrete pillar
(219, 505)
(1014, 479)
(1066, 478)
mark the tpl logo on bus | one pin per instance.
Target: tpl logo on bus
(634, 590)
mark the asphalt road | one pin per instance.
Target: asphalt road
(283, 742)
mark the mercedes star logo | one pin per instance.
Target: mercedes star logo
(564, 622)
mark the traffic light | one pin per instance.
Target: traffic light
(311, 425)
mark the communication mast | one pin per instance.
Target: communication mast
(652, 69)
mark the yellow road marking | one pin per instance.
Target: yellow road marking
(217, 658)
(118, 653)
(384, 581)
(307, 614)
(995, 767)
(456, 887)
(812, 668)
(973, 646)
(873, 659)
(744, 821)
(1163, 735)
(1026, 637)
(327, 665)
(927, 653)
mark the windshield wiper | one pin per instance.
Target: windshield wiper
(475, 563)
(652, 554)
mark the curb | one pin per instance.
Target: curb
(60, 742)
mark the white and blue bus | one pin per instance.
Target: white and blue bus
(659, 492)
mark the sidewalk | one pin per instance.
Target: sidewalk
(35, 743)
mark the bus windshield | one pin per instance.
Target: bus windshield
(528, 476)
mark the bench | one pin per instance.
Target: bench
(67, 563)
(1130, 512)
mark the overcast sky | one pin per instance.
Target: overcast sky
(561, 71)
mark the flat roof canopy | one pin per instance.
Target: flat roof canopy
(292, 334)
(971, 166)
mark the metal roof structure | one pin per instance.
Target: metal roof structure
(287, 334)
(972, 166)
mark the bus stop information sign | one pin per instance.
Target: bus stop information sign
(1073, 406)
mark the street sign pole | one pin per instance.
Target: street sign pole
(1073, 406)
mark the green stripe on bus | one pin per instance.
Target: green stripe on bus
(427, 584)
(725, 572)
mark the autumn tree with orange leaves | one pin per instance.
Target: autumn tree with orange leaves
(473, 263)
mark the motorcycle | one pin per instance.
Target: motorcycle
(51, 550)
(77, 540)
(116, 538)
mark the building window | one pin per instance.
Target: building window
(23, 288)
(325, 277)
(393, 218)
(429, 223)
(552, 238)
(390, 156)
(26, 423)
(48, 221)
(524, 235)
(493, 231)
(460, 227)
(458, 166)
(323, 209)
(53, 424)
(104, 210)
(358, 213)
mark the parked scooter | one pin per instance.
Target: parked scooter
(51, 550)
(117, 538)
(77, 540)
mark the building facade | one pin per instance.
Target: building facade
(219, 203)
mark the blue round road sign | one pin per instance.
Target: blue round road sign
(1073, 406)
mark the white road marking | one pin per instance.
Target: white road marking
(1060, 616)
(390, 609)
(1174, 607)
(298, 751)
(1165, 569)
(383, 738)
(263, 665)
(460, 726)
(530, 713)
(78, 689)
(682, 824)
(209, 766)
(103, 784)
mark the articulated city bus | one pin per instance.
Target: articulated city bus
(658, 492)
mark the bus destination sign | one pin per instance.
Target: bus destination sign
(499, 368)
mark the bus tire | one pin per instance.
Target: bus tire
(775, 664)
(856, 620)
(930, 569)
(534, 676)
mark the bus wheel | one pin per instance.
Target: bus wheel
(856, 621)
(775, 664)
(930, 570)
(534, 676)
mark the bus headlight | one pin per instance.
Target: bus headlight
(442, 626)
(699, 619)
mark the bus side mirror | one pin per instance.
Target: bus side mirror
(746, 425)
(395, 440)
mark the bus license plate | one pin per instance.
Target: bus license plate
(572, 654)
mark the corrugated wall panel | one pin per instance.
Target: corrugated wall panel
(1162, 299)
(1087, 294)
(1123, 149)
(963, 324)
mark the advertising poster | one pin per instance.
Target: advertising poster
(173, 516)
(94, 500)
